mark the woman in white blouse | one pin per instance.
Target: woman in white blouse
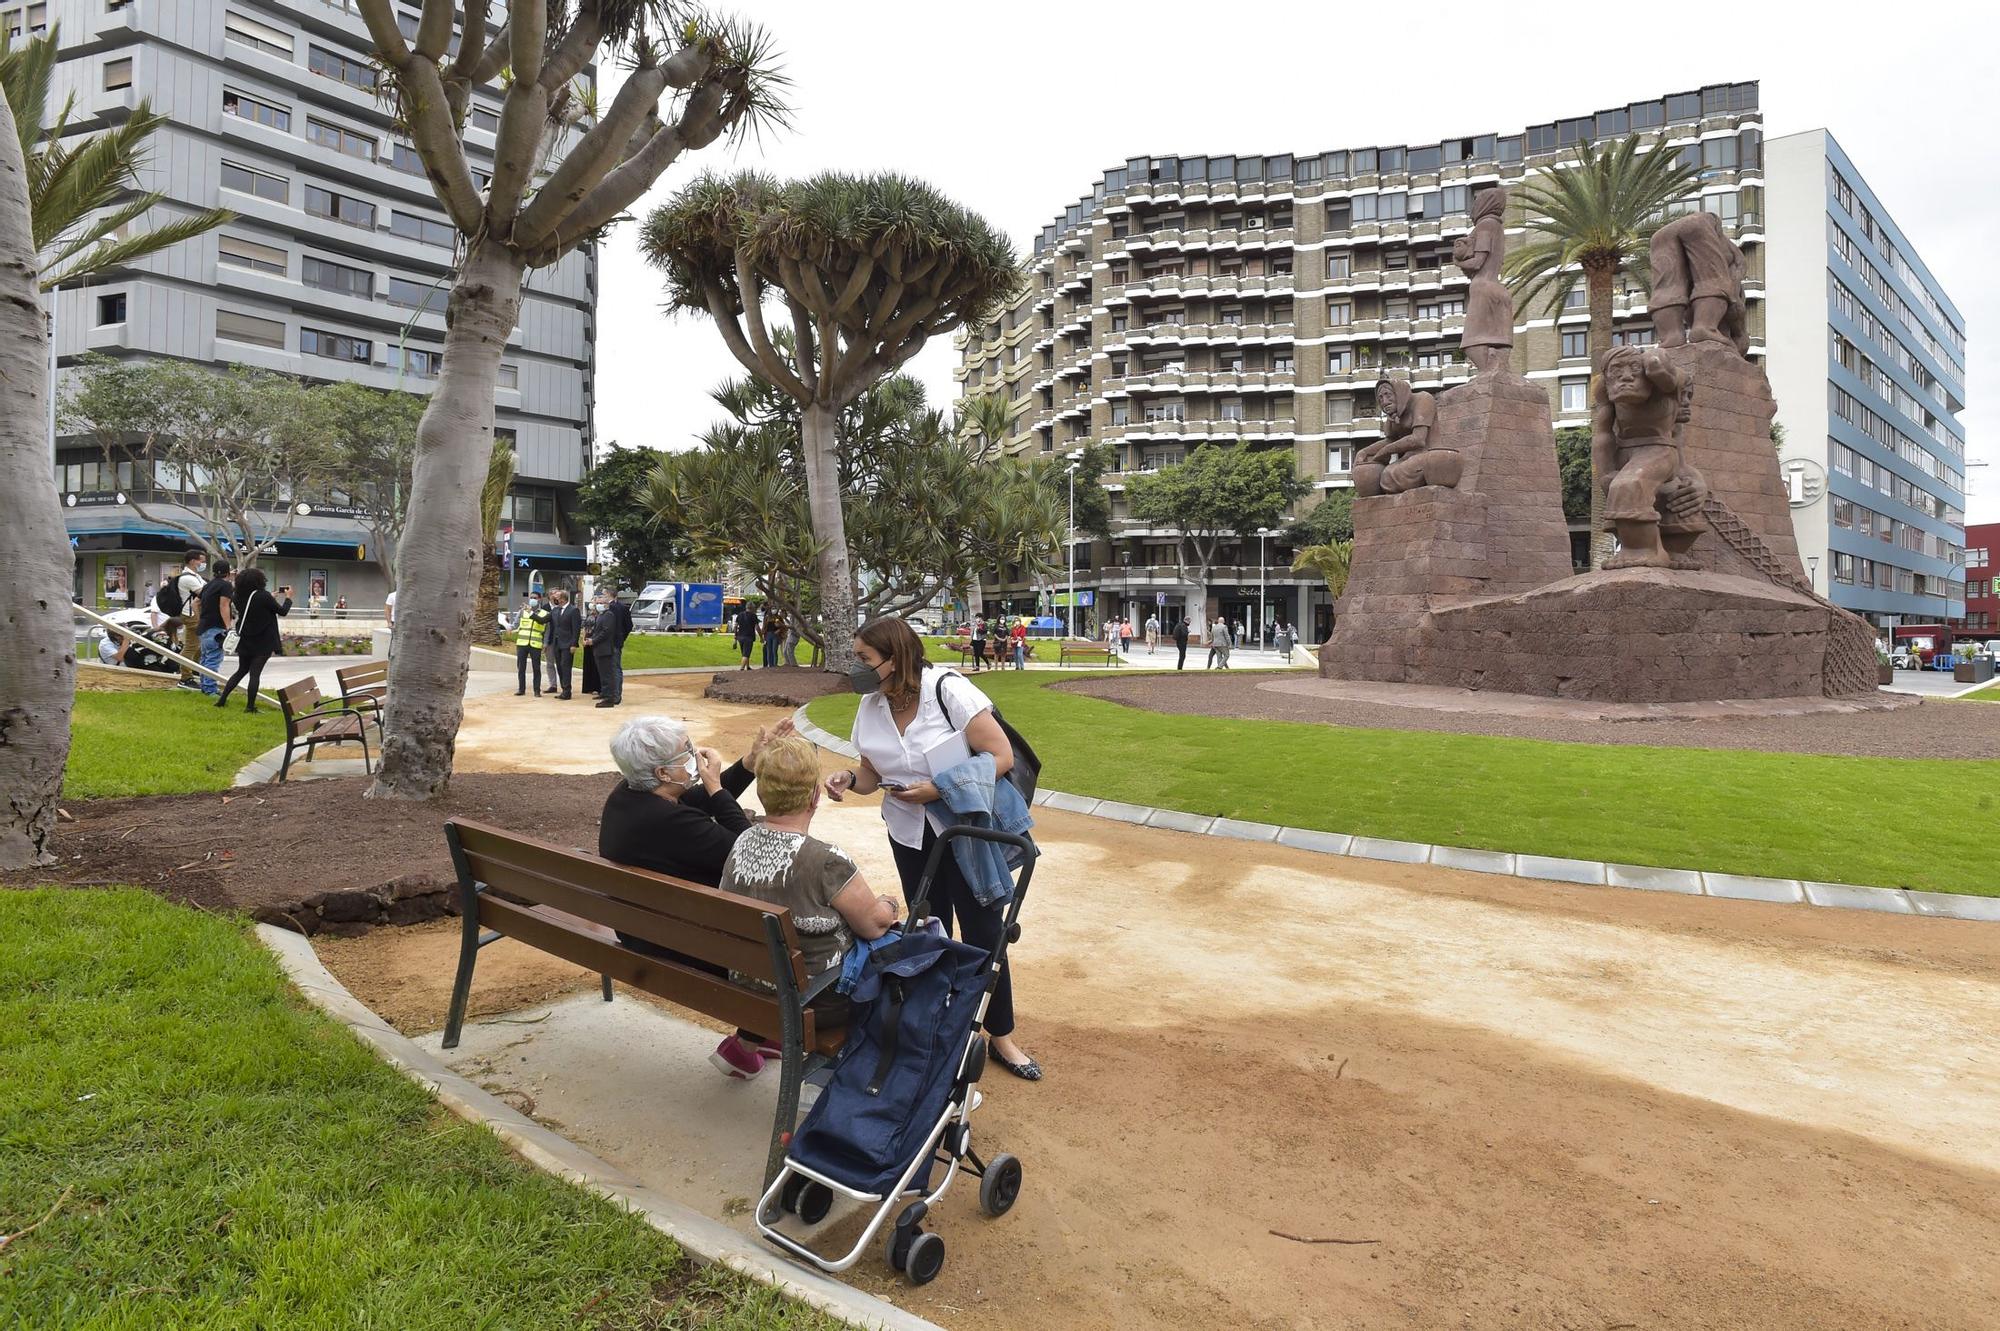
(899, 725)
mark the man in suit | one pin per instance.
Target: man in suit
(608, 632)
(565, 631)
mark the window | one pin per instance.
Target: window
(117, 74)
(1233, 315)
(341, 208)
(1426, 159)
(1118, 323)
(249, 108)
(422, 229)
(336, 346)
(248, 328)
(531, 508)
(1575, 342)
(1634, 337)
(1339, 215)
(1510, 149)
(1340, 457)
(485, 119)
(417, 295)
(1843, 567)
(1339, 360)
(111, 309)
(1719, 154)
(1576, 298)
(1440, 308)
(423, 362)
(405, 158)
(1339, 265)
(1339, 410)
(328, 135)
(1121, 413)
(1229, 409)
(1281, 362)
(241, 253)
(1395, 261)
(1575, 396)
(249, 180)
(241, 28)
(351, 70)
(337, 277)
(1166, 409)
(1396, 307)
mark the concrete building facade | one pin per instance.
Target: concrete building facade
(1982, 581)
(1867, 359)
(337, 267)
(1190, 300)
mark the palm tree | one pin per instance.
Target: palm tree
(84, 194)
(1331, 561)
(1590, 223)
(988, 418)
(492, 497)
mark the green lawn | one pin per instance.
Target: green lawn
(654, 651)
(1884, 821)
(163, 743)
(1991, 693)
(210, 1153)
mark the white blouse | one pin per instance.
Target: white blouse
(903, 757)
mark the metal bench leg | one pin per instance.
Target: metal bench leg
(607, 987)
(791, 1022)
(286, 766)
(468, 953)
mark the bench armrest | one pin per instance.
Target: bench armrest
(322, 712)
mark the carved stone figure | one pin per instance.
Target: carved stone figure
(1648, 492)
(1698, 284)
(1488, 338)
(1406, 456)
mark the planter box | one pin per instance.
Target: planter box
(1885, 674)
(1976, 671)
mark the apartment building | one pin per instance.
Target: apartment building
(337, 267)
(1189, 300)
(1867, 358)
(1982, 580)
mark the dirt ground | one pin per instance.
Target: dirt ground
(1933, 728)
(1547, 1106)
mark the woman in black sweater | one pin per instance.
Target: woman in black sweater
(257, 640)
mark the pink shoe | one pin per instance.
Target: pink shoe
(735, 1059)
(770, 1051)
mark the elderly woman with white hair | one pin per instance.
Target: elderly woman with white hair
(675, 811)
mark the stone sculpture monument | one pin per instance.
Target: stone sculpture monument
(1407, 455)
(1488, 338)
(1648, 495)
(1468, 584)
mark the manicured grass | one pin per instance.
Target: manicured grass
(210, 1153)
(1881, 821)
(165, 743)
(654, 651)
(1991, 693)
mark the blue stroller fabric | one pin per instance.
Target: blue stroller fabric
(913, 1012)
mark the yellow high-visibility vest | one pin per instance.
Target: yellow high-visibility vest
(528, 633)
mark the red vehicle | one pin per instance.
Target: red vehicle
(1924, 641)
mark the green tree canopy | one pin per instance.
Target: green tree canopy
(611, 501)
(1219, 493)
(1573, 462)
(1331, 519)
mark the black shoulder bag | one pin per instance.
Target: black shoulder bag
(1027, 770)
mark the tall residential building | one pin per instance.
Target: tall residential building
(336, 268)
(1982, 580)
(1189, 300)
(1867, 359)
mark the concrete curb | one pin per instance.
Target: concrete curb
(1592, 873)
(705, 1240)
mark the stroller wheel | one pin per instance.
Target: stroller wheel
(815, 1200)
(1001, 1185)
(925, 1260)
(788, 1196)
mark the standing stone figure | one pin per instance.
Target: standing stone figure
(1409, 421)
(1650, 497)
(1488, 339)
(1698, 284)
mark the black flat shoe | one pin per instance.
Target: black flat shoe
(1028, 1071)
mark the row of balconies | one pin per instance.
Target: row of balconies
(1202, 381)
(1207, 238)
(1268, 427)
(1217, 284)
(1176, 333)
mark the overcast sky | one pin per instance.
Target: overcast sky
(1015, 110)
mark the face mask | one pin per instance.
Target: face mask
(681, 771)
(865, 679)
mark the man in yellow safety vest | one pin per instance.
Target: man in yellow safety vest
(530, 627)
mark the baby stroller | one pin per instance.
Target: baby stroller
(902, 1089)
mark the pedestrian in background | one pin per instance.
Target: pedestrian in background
(774, 633)
(1019, 637)
(607, 648)
(530, 634)
(978, 642)
(216, 616)
(257, 636)
(1181, 642)
(565, 631)
(1153, 634)
(745, 628)
(1125, 635)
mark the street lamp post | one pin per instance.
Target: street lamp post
(1075, 457)
(1262, 595)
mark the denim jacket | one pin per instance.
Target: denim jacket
(973, 796)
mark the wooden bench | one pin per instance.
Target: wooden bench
(365, 688)
(311, 721)
(1074, 649)
(572, 905)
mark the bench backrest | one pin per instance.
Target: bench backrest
(720, 928)
(298, 699)
(369, 679)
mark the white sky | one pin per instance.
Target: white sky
(1015, 110)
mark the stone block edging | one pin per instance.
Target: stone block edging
(1595, 873)
(705, 1240)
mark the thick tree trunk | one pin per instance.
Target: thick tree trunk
(37, 646)
(439, 558)
(829, 522)
(1598, 288)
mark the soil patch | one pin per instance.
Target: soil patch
(1933, 728)
(312, 855)
(780, 686)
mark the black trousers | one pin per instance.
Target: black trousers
(1182, 663)
(249, 667)
(951, 899)
(565, 657)
(522, 657)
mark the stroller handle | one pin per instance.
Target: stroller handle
(1029, 853)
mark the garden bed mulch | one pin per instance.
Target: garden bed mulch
(316, 855)
(780, 686)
